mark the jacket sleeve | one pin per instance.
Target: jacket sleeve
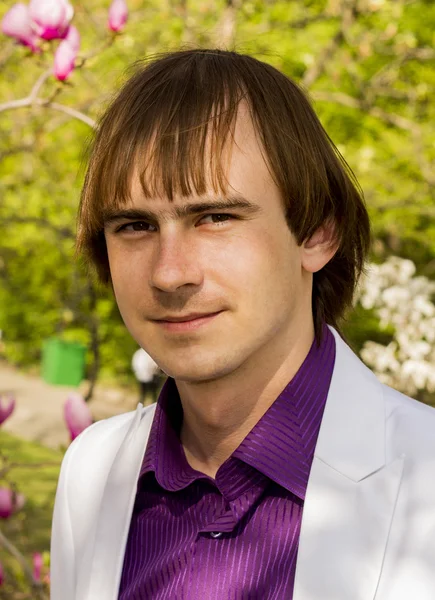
(63, 559)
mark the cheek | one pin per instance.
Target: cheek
(273, 254)
(124, 261)
(126, 277)
(263, 267)
(281, 272)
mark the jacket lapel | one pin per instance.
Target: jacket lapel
(102, 568)
(351, 493)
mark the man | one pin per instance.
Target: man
(275, 465)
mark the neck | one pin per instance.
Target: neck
(219, 414)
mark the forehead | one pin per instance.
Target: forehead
(234, 165)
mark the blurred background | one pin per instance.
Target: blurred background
(368, 67)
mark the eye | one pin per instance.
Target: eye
(137, 226)
(216, 218)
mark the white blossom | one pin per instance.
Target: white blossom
(403, 302)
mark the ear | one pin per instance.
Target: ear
(319, 249)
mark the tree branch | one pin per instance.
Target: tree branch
(226, 28)
(32, 100)
(39, 83)
(72, 112)
(28, 101)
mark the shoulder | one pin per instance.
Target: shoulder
(406, 411)
(97, 445)
(410, 424)
(89, 459)
(105, 428)
(96, 433)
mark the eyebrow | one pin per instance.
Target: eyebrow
(180, 212)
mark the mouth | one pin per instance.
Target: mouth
(190, 322)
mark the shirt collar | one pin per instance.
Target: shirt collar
(164, 453)
(280, 446)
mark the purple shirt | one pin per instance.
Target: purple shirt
(234, 537)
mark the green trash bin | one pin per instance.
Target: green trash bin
(63, 363)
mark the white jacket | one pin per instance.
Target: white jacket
(368, 527)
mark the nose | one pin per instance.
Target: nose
(176, 263)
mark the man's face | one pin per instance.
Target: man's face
(218, 287)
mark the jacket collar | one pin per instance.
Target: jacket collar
(352, 434)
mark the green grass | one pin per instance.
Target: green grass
(29, 529)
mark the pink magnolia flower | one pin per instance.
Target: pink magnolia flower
(38, 563)
(66, 53)
(6, 411)
(51, 17)
(17, 23)
(64, 60)
(118, 13)
(77, 415)
(2, 575)
(72, 36)
(10, 502)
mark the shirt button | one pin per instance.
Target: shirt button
(215, 534)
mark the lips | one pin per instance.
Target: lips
(186, 323)
(186, 318)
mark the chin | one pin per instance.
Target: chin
(202, 372)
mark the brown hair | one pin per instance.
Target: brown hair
(161, 122)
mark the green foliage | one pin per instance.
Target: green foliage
(35, 476)
(368, 66)
(362, 325)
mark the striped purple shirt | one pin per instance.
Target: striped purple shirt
(236, 536)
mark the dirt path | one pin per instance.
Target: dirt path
(38, 414)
